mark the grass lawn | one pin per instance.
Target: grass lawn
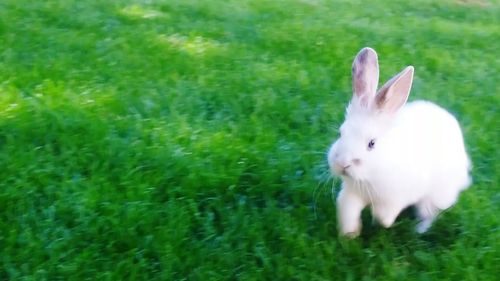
(186, 140)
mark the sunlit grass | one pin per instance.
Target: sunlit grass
(196, 46)
(137, 11)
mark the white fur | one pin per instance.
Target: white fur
(418, 159)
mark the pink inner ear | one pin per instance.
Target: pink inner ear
(361, 83)
(365, 76)
(363, 100)
(394, 94)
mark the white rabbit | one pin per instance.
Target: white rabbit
(391, 155)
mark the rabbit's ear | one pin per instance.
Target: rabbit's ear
(394, 94)
(365, 76)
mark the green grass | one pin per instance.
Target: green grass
(186, 140)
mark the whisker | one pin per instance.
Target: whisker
(368, 191)
(324, 152)
(333, 190)
(325, 177)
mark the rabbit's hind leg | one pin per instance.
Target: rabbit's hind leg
(427, 213)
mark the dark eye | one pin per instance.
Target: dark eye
(371, 144)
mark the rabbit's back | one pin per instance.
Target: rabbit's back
(438, 144)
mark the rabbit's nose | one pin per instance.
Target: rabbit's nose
(343, 169)
(343, 163)
(345, 166)
(342, 166)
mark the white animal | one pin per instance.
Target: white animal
(392, 154)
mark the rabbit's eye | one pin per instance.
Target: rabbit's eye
(371, 144)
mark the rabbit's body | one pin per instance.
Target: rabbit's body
(419, 159)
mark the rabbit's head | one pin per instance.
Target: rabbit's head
(369, 118)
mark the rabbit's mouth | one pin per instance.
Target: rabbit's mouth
(343, 171)
(346, 173)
